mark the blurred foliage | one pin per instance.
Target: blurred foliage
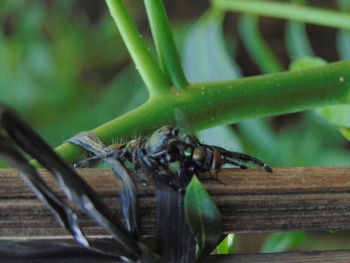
(278, 242)
(65, 68)
(62, 71)
(203, 218)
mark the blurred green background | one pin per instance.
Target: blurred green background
(64, 67)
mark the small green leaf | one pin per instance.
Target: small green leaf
(345, 132)
(226, 246)
(306, 63)
(338, 115)
(203, 218)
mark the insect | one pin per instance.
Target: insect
(167, 147)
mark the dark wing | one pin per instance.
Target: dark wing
(125, 247)
(127, 188)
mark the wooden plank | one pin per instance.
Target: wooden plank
(289, 199)
(334, 256)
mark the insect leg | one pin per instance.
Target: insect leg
(228, 161)
(232, 157)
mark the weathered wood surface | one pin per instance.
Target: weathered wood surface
(289, 199)
(335, 256)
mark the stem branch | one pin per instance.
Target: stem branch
(219, 103)
(146, 64)
(165, 44)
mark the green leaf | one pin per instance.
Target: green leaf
(257, 47)
(297, 41)
(306, 63)
(203, 218)
(343, 39)
(345, 132)
(344, 4)
(338, 115)
(205, 56)
(279, 242)
(343, 36)
(226, 246)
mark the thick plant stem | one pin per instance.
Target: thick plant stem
(146, 64)
(165, 44)
(313, 15)
(218, 103)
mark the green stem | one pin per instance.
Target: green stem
(313, 15)
(257, 47)
(146, 64)
(165, 44)
(219, 103)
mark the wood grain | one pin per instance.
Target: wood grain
(289, 199)
(334, 256)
